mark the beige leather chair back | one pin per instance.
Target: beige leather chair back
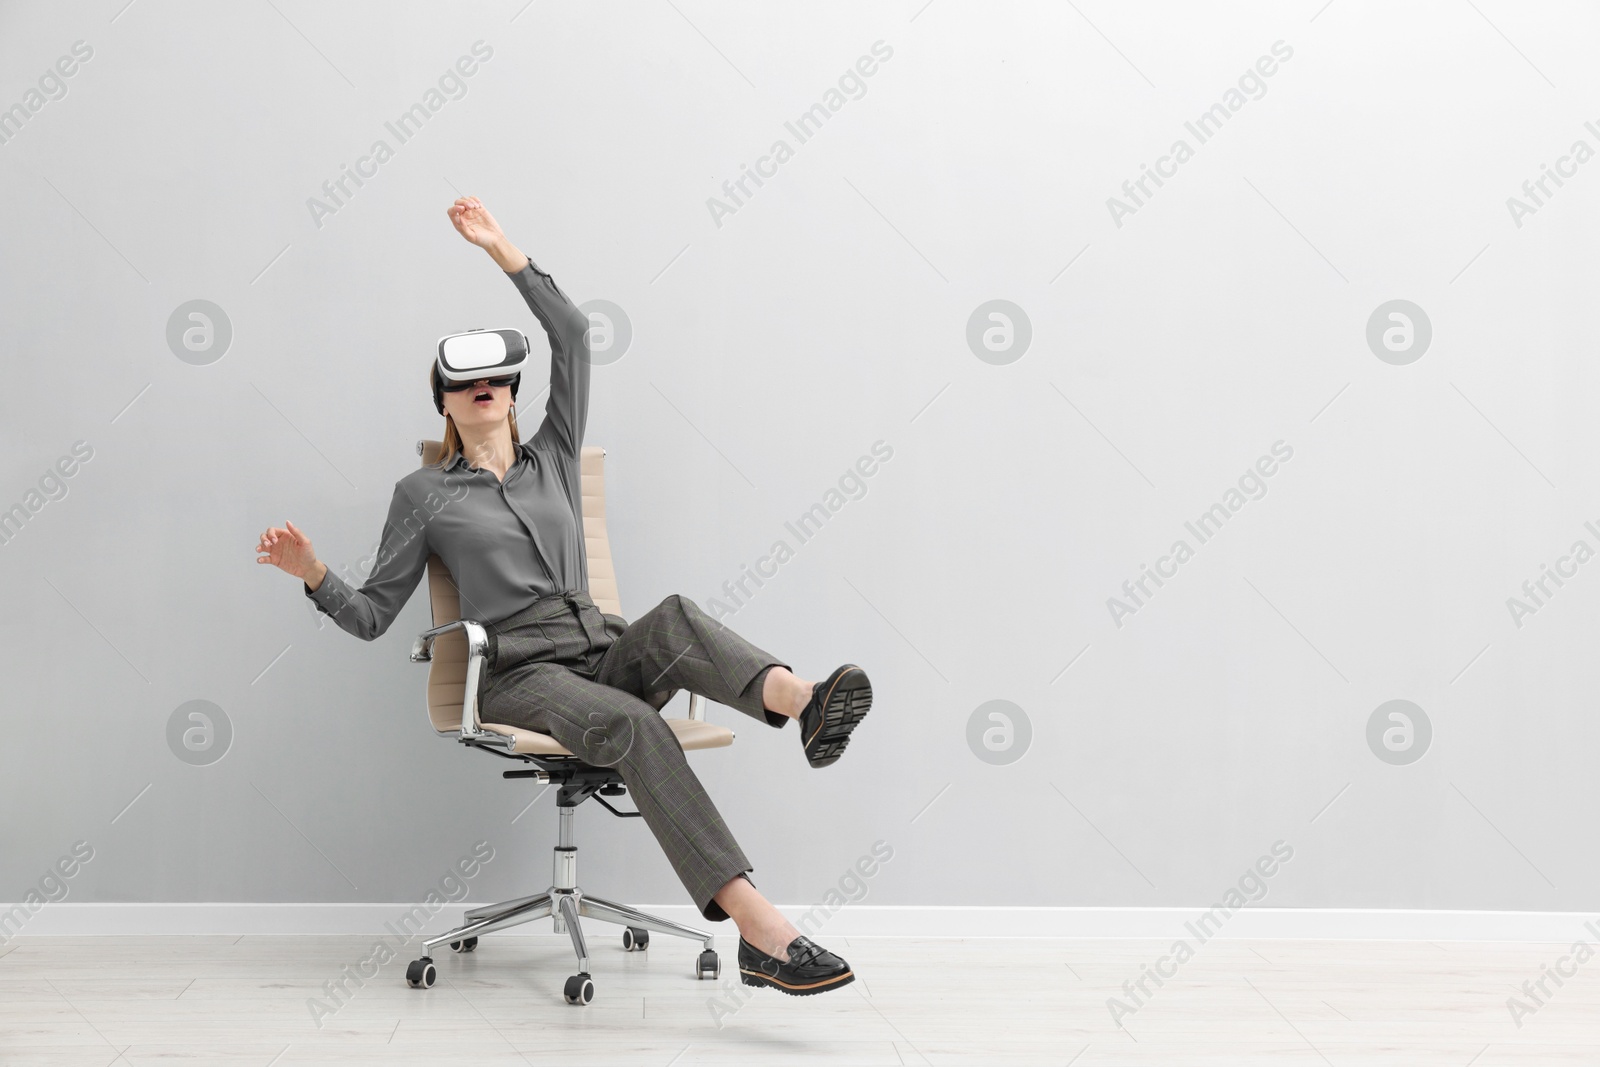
(447, 673)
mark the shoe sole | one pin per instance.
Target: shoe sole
(842, 711)
(756, 978)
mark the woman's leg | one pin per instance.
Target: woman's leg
(608, 727)
(675, 645)
(604, 707)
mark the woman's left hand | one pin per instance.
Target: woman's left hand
(473, 221)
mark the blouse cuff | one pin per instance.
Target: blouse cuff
(331, 595)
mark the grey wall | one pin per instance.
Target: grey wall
(1171, 347)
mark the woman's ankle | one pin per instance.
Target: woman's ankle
(759, 923)
(784, 693)
(768, 931)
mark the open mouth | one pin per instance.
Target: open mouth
(483, 396)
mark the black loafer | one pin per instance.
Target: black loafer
(836, 707)
(809, 969)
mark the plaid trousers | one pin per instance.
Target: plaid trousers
(597, 684)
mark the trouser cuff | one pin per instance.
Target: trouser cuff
(750, 701)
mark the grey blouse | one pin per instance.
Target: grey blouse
(506, 543)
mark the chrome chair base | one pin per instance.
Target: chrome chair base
(565, 903)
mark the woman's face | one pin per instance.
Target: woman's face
(481, 405)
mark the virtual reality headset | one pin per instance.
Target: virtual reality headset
(464, 358)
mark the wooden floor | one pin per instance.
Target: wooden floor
(225, 1001)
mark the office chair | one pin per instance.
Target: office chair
(454, 648)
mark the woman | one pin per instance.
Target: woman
(513, 540)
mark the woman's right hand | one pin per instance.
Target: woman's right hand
(291, 552)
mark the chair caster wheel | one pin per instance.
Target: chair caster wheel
(579, 989)
(464, 946)
(708, 965)
(635, 939)
(420, 973)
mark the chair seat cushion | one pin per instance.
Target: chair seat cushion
(692, 734)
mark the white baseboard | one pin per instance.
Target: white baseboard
(71, 919)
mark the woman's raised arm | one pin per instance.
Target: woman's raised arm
(567, 410)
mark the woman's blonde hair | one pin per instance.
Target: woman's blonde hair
(452, 439)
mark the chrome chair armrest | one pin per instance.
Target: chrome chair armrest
(477, 639)
(477, 646)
